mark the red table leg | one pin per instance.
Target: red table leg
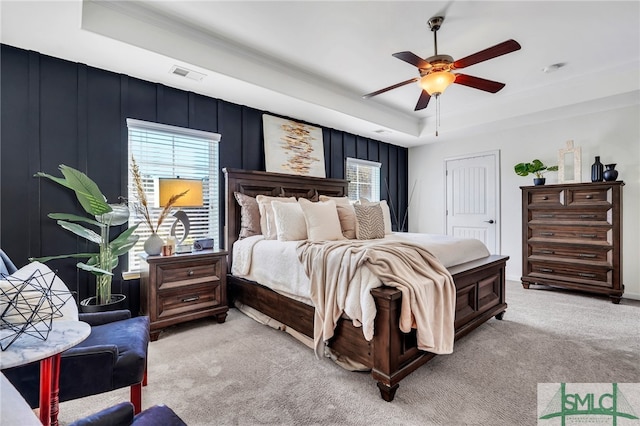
(49, 389)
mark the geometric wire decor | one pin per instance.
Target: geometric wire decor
(27, 307)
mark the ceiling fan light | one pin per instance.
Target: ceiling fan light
(436, 83)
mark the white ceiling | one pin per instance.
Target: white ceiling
(314, 60)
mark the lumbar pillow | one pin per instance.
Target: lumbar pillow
(290, 222)
(370, 221)
(249, 215)
(346, 214)
(322, 220)
(267, 219)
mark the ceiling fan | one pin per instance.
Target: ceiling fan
(436, 72)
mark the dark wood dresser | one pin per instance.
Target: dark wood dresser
(183, 287)
(572, 237)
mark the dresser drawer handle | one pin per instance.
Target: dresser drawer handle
(190, 272)
(588, 197)
(547, 251)
(585, 275)
(588, 255)
(190, 299)
(547, 234)
(587, 216)
(545, 198)
(546, 270)
(546, 215)
(588, 235)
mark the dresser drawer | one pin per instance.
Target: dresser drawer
(173, 275)
(198, 298)
(599, 217)
(587, 253)
(601, 277)
(546, 197)
(582, 234)
(589, 196)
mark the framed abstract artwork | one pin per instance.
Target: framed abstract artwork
(293, 148)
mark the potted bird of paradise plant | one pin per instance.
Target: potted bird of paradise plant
(102, 216)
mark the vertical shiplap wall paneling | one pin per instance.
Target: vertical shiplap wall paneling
(403, 187)
(337, 155)
(383, 158)
(58, 145)
(252, 146)
(392, 186)
(362, 147)
(58, 112)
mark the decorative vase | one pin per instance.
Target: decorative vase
(597, 169)
(153, 245)
(611, 174)
(539, 181)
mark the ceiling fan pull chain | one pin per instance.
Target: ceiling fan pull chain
(437, 113)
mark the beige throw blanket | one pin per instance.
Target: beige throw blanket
(428, 292)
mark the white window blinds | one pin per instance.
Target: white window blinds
(163, 151)
(364, 179)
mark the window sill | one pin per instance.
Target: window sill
(134, 275)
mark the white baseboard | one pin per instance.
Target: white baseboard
(627, 295)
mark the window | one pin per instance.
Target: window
(163, 151)
(364, 179)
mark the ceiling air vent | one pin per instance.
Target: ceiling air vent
(183, 72)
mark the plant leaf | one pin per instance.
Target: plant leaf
(92, 269)
(61, 256)
(73, 218)
(124, 242)
(81, 231)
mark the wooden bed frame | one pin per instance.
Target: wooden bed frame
(392, 354)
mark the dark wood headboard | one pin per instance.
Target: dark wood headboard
(252, 183)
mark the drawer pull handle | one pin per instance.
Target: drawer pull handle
(588, 255)
(546, 270)
(190, 272)
(587, 216)
(547, 234)
(585, 275)
(547, 251)
(546, 215)
(545, 198)
(190, 299)
(588, 235)
(588, 197)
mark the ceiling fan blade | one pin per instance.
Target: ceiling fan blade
(423, 100)
(395, 86)
(486, 54)
(478, 83)
(413, 59)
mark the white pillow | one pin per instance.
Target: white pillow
(33, 279)
(322, 220)
(267, 219)
(346, 214)
(289, 219)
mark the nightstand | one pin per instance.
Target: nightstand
(183, 287)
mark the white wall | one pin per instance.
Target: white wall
(613, 135)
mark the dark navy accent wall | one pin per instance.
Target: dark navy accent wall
(59, 112)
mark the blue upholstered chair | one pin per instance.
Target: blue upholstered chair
(122, 415)
(112, 357)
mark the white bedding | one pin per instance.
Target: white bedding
(275, 264)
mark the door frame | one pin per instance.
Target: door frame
(496, 164)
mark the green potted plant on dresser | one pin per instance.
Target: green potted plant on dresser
(535, 167)
(102, 216)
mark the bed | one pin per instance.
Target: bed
(391, 355)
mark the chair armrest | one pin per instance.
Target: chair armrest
(120, 414)
(99, 318)
(102, 355)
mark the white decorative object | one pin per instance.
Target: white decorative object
(570, 162)
(293, 148)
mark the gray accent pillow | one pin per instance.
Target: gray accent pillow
(249, 215)
(369, 221)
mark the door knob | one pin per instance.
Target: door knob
(489, 221)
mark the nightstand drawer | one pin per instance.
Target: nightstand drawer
(172, 275)
(196, 299)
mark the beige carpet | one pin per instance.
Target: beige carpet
(244, 373)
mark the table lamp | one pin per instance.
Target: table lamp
(168, 187)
